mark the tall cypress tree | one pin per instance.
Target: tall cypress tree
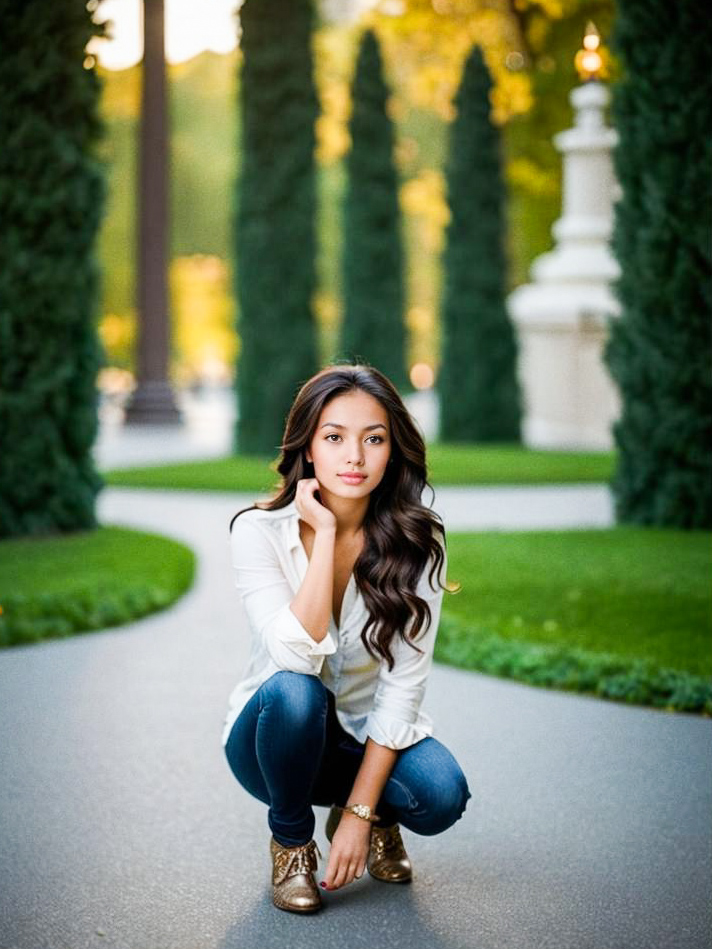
(276, 203)
(51, 200)
(372, 328)
(659, 350)
(480, 397)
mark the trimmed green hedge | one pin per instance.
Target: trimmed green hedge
(571, 669)
(658, 350)
(52, 188)
(275, 217)
(56, 586)
(372, 327)
(480, 394)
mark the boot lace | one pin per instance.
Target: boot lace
(295, 860)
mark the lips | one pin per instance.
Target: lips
(352, 478)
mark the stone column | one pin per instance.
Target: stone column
(561, 315)
(153, 400)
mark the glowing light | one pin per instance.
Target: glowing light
(592, 40)
(588, 61)
(514, 60)
(191, 27)
(422, 376)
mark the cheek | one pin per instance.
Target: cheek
(381, 462)
(316, 454)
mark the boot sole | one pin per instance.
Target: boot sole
(298, 909)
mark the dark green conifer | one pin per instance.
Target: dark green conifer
(372, 327)
(275, 229)
(51, 201)
(480, 398)
(659, 350)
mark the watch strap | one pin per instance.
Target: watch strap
(361, 810)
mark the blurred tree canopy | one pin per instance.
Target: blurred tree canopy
(480, 398)
(372, 327)
(659, 350)
(52, 189)
(275, 219)
(529, 47)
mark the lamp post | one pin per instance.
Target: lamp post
(153, 400)
(562, 314)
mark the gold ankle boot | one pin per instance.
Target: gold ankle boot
(293, 885)
(387, 859)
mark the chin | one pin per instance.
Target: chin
(342, 488)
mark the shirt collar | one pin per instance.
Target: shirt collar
(292, 523)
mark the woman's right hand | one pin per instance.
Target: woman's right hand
(310, 510)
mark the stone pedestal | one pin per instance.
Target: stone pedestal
(153, 403)
(561, 316)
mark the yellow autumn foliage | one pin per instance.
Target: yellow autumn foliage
(204, 340)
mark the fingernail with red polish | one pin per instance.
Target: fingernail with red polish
(324, 885)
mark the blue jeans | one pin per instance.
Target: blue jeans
(288, 749)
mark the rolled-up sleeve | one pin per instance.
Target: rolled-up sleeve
(266, 596)
(393, 720)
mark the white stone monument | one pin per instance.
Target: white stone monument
(569, 398)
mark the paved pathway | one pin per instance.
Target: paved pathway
(122, 827)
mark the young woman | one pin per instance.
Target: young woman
(341, 576)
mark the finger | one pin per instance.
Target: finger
(329, 874)
(334, 871)
(341, 877)
(350, 874)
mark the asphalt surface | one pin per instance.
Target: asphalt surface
(121, 826)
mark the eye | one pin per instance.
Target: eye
(378, 438)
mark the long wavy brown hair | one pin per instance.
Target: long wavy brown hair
(401, 535)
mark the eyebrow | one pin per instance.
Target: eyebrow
(367, 428)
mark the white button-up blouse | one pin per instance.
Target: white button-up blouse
(270, 562)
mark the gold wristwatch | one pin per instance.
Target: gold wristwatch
(361, 810)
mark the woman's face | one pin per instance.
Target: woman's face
(352, 435)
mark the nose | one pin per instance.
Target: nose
(355, 454)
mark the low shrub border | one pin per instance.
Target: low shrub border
(635, 682)
(110, 577)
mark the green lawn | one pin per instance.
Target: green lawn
(447, 465)
(58, 586)
(633, 592)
